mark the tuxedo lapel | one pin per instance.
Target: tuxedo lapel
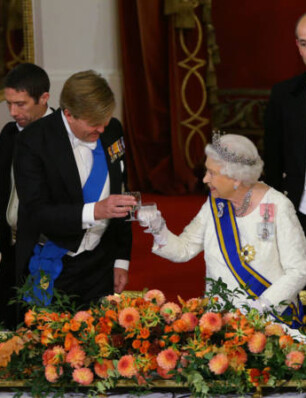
(64, 158)
(300, 133)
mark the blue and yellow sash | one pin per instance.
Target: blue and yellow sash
(229, 243)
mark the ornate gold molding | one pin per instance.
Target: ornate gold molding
(192, 64)
(185, 17)
(20, 16)
(241, 111)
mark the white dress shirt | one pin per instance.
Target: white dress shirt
(95, 228)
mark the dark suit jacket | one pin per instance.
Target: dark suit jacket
(285, 138)
(7, 142)
(50, 192)
(7, 270)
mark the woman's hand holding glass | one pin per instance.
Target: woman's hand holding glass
(149, 216)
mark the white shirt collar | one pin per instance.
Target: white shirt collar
(73, 139)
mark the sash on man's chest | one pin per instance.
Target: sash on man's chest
(46, 263)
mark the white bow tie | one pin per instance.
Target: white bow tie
(90, 145)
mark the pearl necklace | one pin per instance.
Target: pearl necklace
(240, 211)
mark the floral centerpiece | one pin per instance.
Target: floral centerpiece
(204, 344)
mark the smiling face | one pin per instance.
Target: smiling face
(83, 130)
(23, 108)
(220, 185)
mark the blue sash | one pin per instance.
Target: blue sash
(46, 262)
(229, 243)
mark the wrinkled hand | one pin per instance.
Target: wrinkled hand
(121, 277)
(115, 206)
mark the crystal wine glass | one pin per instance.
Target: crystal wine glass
(146, 212)
(137, 196)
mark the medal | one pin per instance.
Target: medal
(247, 253)
(265, 229)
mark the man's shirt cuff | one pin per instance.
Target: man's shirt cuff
(124, 264)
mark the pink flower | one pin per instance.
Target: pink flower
(155, 295)
(129, 317)
(218, 364)
(127, 366)
(76, 357)
(211, 322)
(52, 373)
(170, 312)
(83, 376)
(191, 321)
(82, 316)
(167, 359)
(257, 342)
(295, 359)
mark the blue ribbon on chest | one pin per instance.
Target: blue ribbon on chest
(229, 243)
(46, 262)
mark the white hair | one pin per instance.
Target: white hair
(239, 146)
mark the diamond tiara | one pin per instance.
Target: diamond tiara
(227, 155)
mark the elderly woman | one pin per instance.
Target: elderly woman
(249, 232)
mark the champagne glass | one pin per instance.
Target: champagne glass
(137, 196)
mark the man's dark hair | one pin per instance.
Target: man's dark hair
(30, 78)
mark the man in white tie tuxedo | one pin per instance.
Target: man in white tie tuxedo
(26, 91)
(70, 172)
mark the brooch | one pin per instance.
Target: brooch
(44, 282)
(116, 150)
(247, 253)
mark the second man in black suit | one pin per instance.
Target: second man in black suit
(26, 91)
(285, 134)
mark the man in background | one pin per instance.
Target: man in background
(70, 174)
(26, 91)
(285, 134)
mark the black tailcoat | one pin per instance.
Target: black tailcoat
(51, 203)
(7, 271)
(285, 138)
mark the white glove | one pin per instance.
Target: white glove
(262, 305)
(149, 216)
